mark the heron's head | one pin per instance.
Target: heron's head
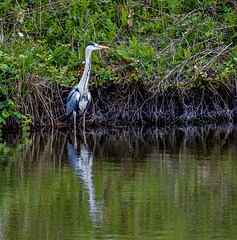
(94, 46)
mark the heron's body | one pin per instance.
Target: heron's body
(77, 102)
(79, 98)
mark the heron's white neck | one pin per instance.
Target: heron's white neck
(83, 84)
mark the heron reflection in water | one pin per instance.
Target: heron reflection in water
(81, 159)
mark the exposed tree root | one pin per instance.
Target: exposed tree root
(134, 105)
(130, 105)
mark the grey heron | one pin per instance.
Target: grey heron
(79, 98)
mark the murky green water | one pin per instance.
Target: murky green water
(153, 184)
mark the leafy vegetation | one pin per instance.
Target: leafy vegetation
(156, 47)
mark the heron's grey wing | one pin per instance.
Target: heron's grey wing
(72, 100)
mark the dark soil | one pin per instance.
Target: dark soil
(133, 105)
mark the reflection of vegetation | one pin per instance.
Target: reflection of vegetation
(164, 53)
(171, 183)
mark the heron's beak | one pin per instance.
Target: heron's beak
(103, 47)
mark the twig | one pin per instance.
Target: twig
(1, 31)
(195, 10)
(168, 15)
(216, 56)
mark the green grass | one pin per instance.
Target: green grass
(160, 45)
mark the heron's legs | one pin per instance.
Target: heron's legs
(75, 118)
(75, 141)
(75, 129)
(84, 127)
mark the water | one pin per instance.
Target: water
(148, 184)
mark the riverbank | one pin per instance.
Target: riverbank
(129, 105)
(169, 62)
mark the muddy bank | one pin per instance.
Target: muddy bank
(132, 105)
